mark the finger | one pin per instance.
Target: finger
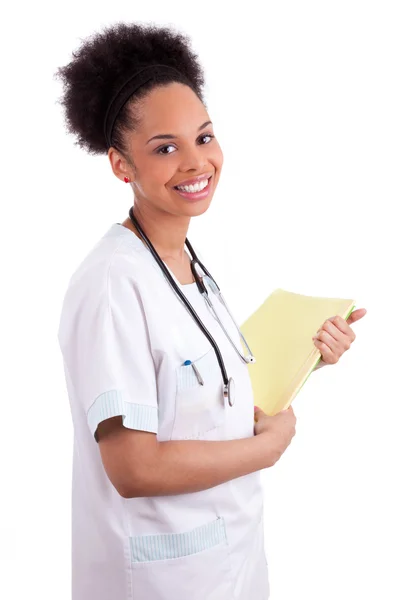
(343, 340)
(257, 413)
(343, 326)
(328, 356)
(356, 315)
(325, 337)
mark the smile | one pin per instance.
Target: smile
(195, 192)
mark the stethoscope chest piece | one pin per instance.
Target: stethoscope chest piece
(229, 391)
(195, 264)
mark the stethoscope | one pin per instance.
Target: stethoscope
(195, 264)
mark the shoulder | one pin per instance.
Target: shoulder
(107, 275)
(116, 253)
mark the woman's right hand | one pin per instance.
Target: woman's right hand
(278, 430)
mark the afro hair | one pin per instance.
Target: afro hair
(101, 65)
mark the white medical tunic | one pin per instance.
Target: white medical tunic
(124, 336)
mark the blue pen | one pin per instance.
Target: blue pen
(189, 363)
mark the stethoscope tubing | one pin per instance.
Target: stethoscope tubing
(250, 358)
(180, 293)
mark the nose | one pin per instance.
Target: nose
(193, 159)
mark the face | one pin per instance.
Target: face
(185, 148)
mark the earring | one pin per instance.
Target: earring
(126, 179)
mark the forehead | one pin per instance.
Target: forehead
(173, 108)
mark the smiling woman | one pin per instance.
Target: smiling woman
(191, 157)
(167, 497)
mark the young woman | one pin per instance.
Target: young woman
(167, 501)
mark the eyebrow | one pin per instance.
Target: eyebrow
(169, 136)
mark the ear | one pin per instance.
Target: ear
(120, 166)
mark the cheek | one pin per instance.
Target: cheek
(218, 157)
(157, 175)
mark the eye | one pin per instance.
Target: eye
(160, 150)
(204, 135)
(209, 135)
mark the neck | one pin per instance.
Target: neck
(166, 232)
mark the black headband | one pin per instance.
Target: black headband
(130, 86)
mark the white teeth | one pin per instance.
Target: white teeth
(197, 187)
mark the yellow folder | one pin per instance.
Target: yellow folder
(279, 335)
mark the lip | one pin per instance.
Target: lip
(195, 196)
(194, 179)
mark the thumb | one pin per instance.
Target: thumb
(356, 315)
(257, 412)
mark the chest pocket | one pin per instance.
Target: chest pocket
(199, 408)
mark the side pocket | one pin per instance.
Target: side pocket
(190, 565)
(199, 409)
(164, 546)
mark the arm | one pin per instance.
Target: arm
(138, 464)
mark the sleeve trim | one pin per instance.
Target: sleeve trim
(135, 416)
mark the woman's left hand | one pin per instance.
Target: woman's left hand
(335, 337)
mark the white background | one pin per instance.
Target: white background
(305, 101)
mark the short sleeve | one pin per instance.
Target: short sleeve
(105, 343)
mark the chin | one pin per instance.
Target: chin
(198, 208)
